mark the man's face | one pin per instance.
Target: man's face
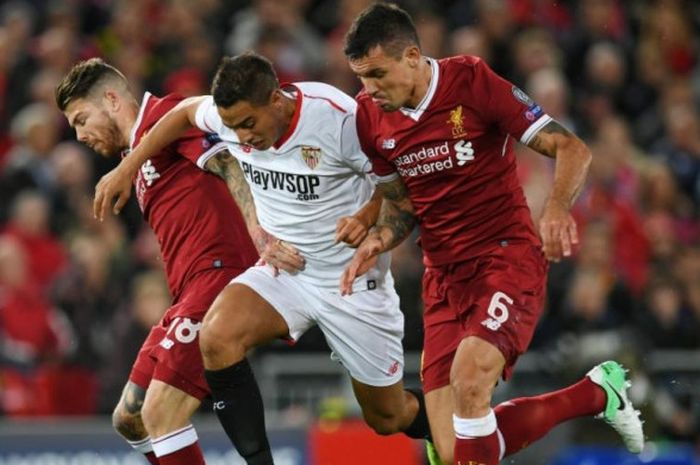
(389, 80)
(258, 126)
(94, 126)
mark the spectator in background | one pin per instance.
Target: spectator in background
(303, 54)
(148, 302)
(34, 337)
(29, 225)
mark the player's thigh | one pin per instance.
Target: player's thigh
(364, 331)
(381, 401)
(167, 408)
(241, 316)
(439, 404)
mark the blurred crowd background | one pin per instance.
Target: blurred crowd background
(77, 296)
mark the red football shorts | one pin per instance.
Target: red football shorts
(498, 297)
(170, 353)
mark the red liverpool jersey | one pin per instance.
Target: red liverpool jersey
(191, 211)
(455, 153)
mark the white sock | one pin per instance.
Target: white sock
(142, 445)
(468, 428)
(174, 441)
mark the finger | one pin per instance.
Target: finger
(287, 248)
(342, 230)
(554, 245)
(348, 278)
(97, 202)
(104, 206)
(565, 242)
(121, 201)
(573, 232)
(275, 271)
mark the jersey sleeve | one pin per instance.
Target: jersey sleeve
(199, 147)
(507, 106)
(350, 146)
(208, 120)
(382, 169)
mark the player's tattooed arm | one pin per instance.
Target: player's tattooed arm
(396, 217)
(557, 226)
(273, 251)
(224, 165)
(395, 223)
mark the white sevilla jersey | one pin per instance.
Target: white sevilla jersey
(314, 175)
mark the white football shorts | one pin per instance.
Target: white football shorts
(364, 330)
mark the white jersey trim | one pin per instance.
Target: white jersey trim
(213, 150)
(139, 118)
(534, 129)
(384, 179)
(416, 113)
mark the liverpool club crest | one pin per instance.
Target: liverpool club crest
(311, 156)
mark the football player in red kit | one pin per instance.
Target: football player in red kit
(440, 136)
(204, 244)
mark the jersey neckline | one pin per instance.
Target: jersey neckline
(416, 113)
(295, 118)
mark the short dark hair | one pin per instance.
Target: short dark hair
(83, 78)
(247, 77)
(382, 24)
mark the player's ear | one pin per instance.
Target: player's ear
(111, 99)
(412, 55)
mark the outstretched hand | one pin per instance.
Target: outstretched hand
(350, 230)
(365, 257)
(278, 254)
(558, 231)
(116, 183)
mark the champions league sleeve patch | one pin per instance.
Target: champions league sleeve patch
(210, 139)
(533, 111)
(521, 96)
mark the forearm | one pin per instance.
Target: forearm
(225, 166)
(394, 224)
(369, 213)
(572, 162)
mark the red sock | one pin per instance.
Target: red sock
(483, 450)
(178, 448)
(477, 440)
(190, 455)
(525, 420)
(151, 457)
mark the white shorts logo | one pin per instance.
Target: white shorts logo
(497, 311)
(185, 332)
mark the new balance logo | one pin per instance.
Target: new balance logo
(389, 144)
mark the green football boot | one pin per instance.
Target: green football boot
(431, 452)
(619, 411)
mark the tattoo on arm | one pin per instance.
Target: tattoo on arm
(548, 138)
(396, 218)
(133, 398)
(227, 168)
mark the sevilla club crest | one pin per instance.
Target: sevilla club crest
(311, 156)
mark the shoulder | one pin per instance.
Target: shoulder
(462, 67)
(325, 95)
(154, 107)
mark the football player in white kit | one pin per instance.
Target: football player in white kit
(297, 148)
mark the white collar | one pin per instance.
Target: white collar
(139, 117)
(416, 113)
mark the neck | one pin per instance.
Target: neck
(424, 74)
(126, 123)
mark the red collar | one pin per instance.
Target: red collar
(295, 118)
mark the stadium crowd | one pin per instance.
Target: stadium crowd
(78, 296)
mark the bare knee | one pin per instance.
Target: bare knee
(221, 338)
(128, 424)
(382, 418)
